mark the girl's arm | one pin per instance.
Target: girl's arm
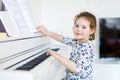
(70, 65)
(53, 35)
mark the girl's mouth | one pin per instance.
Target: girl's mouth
(78, 34)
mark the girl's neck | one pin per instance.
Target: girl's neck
(79, 41)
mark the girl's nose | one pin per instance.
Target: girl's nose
(79, 29)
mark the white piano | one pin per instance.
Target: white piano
(24, 58)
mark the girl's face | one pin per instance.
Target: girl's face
(82, 29)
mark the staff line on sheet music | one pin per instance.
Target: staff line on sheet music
(27, 58)
(20, 54)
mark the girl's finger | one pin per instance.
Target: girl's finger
(48, 52)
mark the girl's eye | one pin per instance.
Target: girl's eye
(76, 26)
(84, 27)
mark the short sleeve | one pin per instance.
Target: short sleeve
(68, 41)
(85, 60)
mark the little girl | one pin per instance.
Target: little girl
(79, 65)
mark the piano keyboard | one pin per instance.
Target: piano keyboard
(34, 62)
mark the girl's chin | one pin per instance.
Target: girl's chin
(79, 38)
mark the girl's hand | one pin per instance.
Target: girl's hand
(42, 29)
(50, 52)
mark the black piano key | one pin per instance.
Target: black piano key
(55, 49)
(31, 64)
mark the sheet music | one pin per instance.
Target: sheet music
(20, 12)
(23, 5)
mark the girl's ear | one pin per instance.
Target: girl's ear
(92, 31)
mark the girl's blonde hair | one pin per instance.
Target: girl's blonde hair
(90, 17)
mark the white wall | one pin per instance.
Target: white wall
(58, 15)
